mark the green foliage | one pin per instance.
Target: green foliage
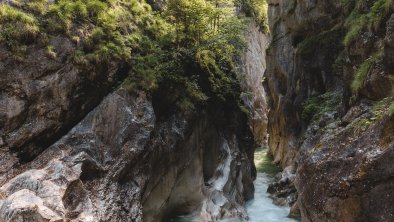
(383, 107)
(380, 109)
(314, 107)
(189, 48)
(17, 27)
(104, 29)
(257, 9)
(391, 109)
(118, 26)
(37, 6)
(359, 19)
(51, 51)
(363, 69)
(200, 48)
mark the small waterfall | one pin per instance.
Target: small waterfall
(261, 208)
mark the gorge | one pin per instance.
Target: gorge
(151, 110)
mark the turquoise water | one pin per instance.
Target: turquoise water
(260, 209)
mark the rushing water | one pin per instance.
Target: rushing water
(261, 208)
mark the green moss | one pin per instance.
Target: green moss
(339, 64)
(383, 107)
(391, 109)
(380, 109)
(363, 69)
(358, 20)
(314, 107)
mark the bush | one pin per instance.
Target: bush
(257, 9)
(191, 50)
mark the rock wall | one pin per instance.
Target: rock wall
(253, 66)
(41, 98)
(121, 164)
(75, 146)
(336, 139)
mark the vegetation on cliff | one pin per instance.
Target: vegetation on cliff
(363, 69)
(189, 47)
(366, 15)
(317, 106)
(362, 24)
(258, 10)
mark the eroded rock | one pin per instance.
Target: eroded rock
(121, 164)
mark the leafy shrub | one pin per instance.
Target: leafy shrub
(258, 10)
(190, 50)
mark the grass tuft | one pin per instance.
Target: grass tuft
(360, 20)
(17, 28)
(363, 69)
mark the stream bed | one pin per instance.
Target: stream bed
(261, 208)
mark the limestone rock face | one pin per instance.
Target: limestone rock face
(332, 135)
(345, 173)
(41, 98)
(253, 66)
(121, 164)
(294, 73)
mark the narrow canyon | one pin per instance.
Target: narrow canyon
(197, 110)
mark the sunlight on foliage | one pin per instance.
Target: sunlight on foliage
(258, 9)
(17, 27)
(191, 45)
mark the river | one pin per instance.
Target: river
(261, 208)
